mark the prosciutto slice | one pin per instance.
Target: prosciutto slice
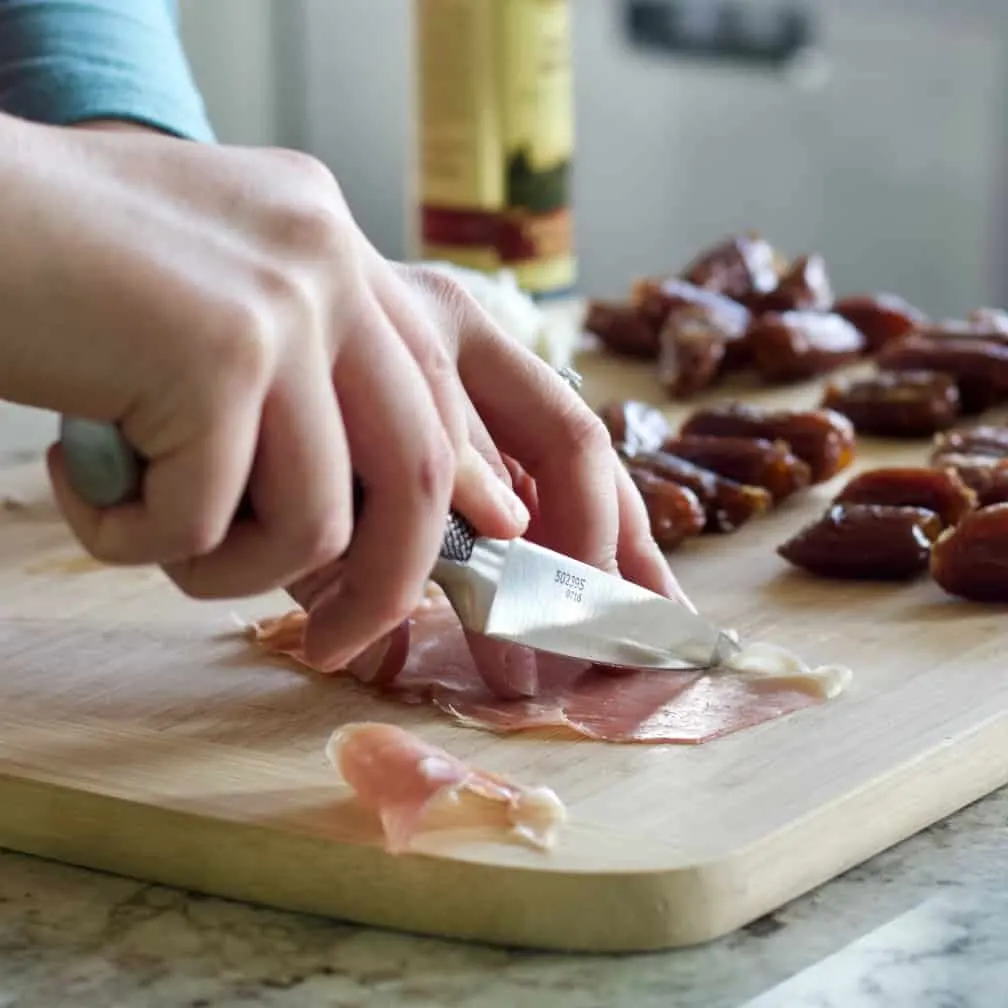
(429, 662)
(406, 781)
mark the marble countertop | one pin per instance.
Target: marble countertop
(923, 925)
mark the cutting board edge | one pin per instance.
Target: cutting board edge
(622, 911)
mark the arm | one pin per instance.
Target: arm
(73, 61)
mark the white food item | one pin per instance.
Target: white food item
(771, 661)
(552, 335)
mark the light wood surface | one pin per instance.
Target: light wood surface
(140, 735)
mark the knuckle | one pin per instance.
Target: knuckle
(317, 230)
(453, 301)
(243, 347)
(195, 533)
(318, 540)
(581, 432)
(306, 167)
(434, 473)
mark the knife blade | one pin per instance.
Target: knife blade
(509, 590)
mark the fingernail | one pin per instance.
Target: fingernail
(367, 664)
(511, 502)
(672, 589)
(520, 671)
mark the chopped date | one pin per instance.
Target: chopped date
(882, 318)
(691, 351)
(621, 329)
(804, 287)
(985, 475)
(973, 328)
(655, 300)
(982, 440)
(822, 438)
(939, 490)
(865, 541)
(970, 560)
(795, 345)
(901, 404)
(740, 268)
(979, 366)
(635, 426)
(674, 511)
(728, 504)
(747, 460)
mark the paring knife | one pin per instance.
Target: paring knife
(510, 590)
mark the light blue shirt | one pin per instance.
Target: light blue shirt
(65, 61)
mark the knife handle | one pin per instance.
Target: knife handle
(105, 470)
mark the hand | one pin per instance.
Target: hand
(221, 305)
(540, 439)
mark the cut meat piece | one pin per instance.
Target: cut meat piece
(687, 707)
(407, 780)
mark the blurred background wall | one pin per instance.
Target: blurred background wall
(892, 164)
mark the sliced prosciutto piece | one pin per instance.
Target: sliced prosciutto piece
(406, 780)
(429, 662)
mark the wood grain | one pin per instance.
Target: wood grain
(141, 735)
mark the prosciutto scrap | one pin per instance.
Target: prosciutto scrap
(406, 780)
(429, 662)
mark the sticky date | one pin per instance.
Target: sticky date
(738, 267)
(986, 476)
(750, 461)
(621, 329)
(900, 404)
(727, 504)
(939, 490)
(978, 366)
(635, 426)
(795, 345)
(822, 438)
(981, 440)
(804, 287)
(654, 300)
(865, 541)
(675, 512)
(691, 351)
(971, 559)
(882, 318)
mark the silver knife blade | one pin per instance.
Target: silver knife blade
(517, 591)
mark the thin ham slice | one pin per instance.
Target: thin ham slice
(406, 780)
(430, 662)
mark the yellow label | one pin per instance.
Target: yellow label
(497, 135)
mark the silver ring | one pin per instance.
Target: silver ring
(569, 375)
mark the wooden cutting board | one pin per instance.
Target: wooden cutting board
(141, 735)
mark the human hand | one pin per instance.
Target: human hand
(543, 441)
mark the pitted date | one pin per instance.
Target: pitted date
(978, 366)
(691, 352)
(740, 268)
(750, 461)
(970, 560)
(865, 541)
(939, 490)
(654, 300)
(621, 329)
(901, 404)
(674, 511)
(635, 426)
(981, 440)
(822, 438)
(804, 287)
(882, 318)
(985, 475)
(728, 505)
(795, 345)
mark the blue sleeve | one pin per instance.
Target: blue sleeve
(66, 61)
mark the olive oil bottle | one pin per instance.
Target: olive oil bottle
(496, 138)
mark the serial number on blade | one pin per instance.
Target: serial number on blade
(572, 584)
